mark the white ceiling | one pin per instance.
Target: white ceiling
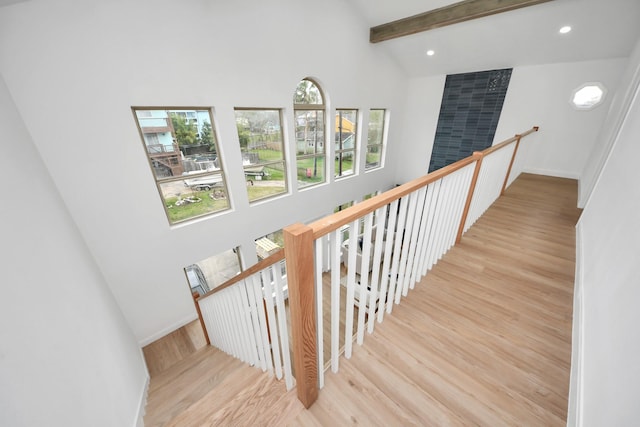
(601, 29)
(8, 2)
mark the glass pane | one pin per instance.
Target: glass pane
(345, 139)
(265, 181)
(344, 163)
(260, 137)
(310, 171)
(342, 207)
(307, 93)
(182, 143)
(376, 127)
(309, 131)
(211, 272)
(194, 196)
(269, 244)
(374, 153)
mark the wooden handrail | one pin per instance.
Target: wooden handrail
(255, 268)
(506, 142)
(299, 252)
(333, 222)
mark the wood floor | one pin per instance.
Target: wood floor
(484, 339)
(171, 349)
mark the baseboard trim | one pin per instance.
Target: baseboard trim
(167, 330)
(549, 172)
(143, 403)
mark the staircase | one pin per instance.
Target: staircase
(210, 387)
(484, 340)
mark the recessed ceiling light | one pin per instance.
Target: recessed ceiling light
(565, 29)
(431, 52)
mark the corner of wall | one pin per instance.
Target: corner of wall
(576, 399)
(581, 201)
(143, 398)
(180, 323)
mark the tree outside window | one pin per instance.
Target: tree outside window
(262, 147)
(309, 119)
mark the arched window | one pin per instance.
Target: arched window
(309, 119)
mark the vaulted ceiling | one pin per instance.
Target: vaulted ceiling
(600, 29)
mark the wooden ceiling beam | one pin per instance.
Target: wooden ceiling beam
(458, 12)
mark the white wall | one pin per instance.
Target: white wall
(67, 356)
(76, 67)
(420, 123)
(619, 104)
(537, 96)
(606, 382)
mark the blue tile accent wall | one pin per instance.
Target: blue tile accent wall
(469, 113)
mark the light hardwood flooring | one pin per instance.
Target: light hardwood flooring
(483, 339)
(171, 349)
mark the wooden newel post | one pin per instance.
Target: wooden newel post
(298, 249)
(472, 187)
(195, 296)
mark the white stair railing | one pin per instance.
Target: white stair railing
(388, 251)
(246, 317)
(394, 239)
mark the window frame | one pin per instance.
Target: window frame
(383, 139)
(339, 152)
(159, 181)
(321, 106)
(282, 162)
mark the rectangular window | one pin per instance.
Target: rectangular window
(344, 230)
(375, 138)
(345, 141)
(310, 147)
(262, 147)
(184, 160)
(269, 244)
(212, 272)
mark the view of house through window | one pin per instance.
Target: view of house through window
(261, 144)
(375, 138)
(211, 272)
(309, 112)
(182, 149)
(345, 141)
